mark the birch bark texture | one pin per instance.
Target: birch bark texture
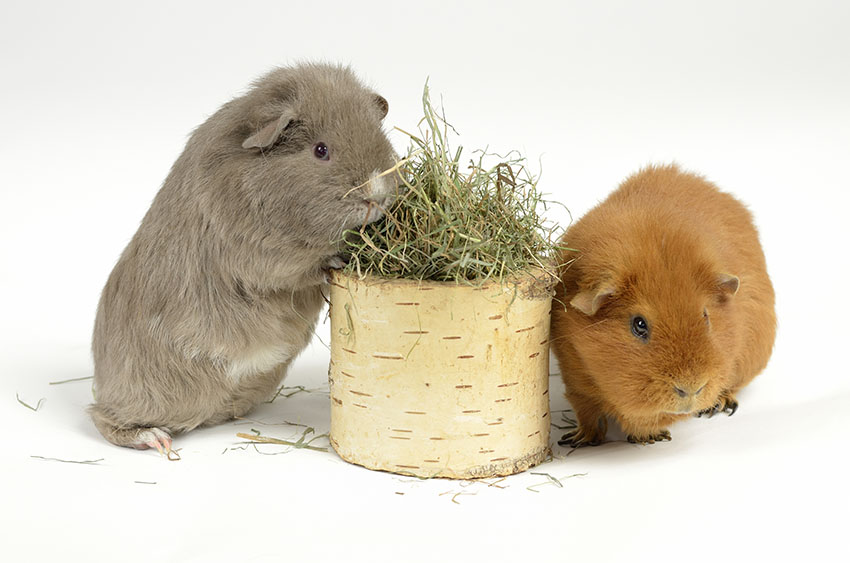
(436, 379)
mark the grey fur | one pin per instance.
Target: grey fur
(221, 286)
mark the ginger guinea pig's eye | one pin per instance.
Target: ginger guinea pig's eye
(705, 317)
(640, 327)
(321, 151)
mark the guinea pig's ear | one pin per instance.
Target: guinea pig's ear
(728, 284)
(382, 104)
(269, 134)
(590, 300)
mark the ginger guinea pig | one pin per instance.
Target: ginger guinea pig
(221, 286)
(665, 310)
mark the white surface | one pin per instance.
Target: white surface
(97, 101)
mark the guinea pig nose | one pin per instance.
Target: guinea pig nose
(680, 392)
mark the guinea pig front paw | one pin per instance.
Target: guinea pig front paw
(335, 262)
(579, 438)
(725, 404)
(660, 436)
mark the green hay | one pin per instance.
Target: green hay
(454, 223)
(302, 443)
(30, 407)
(84, 462)
(570, 423)
(71, 380)
(243, 420)
(281, 392)
(552, 481)
(456, 494)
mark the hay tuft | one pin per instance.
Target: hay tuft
(453, 222)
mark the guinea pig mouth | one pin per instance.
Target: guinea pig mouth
(377, 188)
(372, 210)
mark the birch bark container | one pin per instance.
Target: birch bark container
(436, 379)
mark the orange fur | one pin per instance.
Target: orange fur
(669, 246)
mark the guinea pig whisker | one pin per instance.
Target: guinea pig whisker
(340, 233)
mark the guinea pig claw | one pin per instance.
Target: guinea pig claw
(725, 405)
(336, 262)
(567, 439)
(157, 445)
(709, 412)
(574, 439)
(157, 439)
(662, 436)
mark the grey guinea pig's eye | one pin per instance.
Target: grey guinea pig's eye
(640, 327)
(321, 151)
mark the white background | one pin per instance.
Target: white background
(97, 102)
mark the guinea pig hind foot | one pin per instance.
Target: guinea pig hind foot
(155, 438)
(145, 437)
(116, 430)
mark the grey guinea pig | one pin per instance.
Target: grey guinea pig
(221, 286)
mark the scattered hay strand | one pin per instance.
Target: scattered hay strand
(243, 420)
(302, 442)
(455, 223)
(243, 447)
(570, 423)
(552, 481)
(458, 494)
(294, 390)
(494, 483)
(71, 380)
(83, 462)
(261, 452)
(30, 407)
